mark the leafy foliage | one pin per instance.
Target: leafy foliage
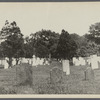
(44, 42)
(13, 44)
(94, 33)
(66, 46)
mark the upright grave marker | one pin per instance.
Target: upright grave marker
(6, 65)
(94, 62)
(65, 65)
(14, 62)
(24, 74)
(34, 63)
(89, 74)
(56, 75)
(82, 61)
(97, 74)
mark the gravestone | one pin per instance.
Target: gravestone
(56, 75)
(29, 61)
(34, 61)
(38, 61)
(41, 61)
(97, 74)
(24, 74)
(98, 58)
(47, 62)
(0, 62)
(88, 61)
(66, 67)
(74, 60)
(20, 75)
(94, 62)
(89, 74)
(14, 62)
(20, 61)
(1, 65)
(6, 65)
(82, 61)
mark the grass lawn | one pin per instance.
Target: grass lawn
(74, 83)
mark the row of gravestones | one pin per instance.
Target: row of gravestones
(32, 61)
(93, 61)
(79, 61)
(56, 74)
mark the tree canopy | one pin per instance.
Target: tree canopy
(45, 42)
(13, 44)
(67, 47)
(94, 31)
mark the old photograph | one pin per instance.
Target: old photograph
(50, 48)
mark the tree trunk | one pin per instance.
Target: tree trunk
(17, 60)
(49, 57)
(10, 62)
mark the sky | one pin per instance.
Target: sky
(74, 17)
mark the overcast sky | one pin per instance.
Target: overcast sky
(32, 17)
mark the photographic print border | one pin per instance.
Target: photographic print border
(49, 97)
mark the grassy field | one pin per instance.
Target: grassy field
(74, 83)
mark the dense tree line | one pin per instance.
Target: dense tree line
(47, 44)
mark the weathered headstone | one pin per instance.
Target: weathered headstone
(24, 74)
(47, 62)
(14, 62)
(0, 62)
(88, 61)
(20, 61)
(38, 61)
(56, 75)
(6, 65)
(24, 60)
(97, 74)
(75, 61)
(89, 74)
(34, 61)
(94, 62)
(82, 61)
(41, 61)
(98, 58)
(66, 67)
(29, 61)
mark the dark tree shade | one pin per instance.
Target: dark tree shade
(66, 48)
(13, 44)
(45, 41)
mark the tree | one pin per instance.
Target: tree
(13, 44)
(44, 41)
(67, 47)
(29, 47)
(85, 46)
(94, 33)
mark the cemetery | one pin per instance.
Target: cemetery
(51, 78)
(47, 62)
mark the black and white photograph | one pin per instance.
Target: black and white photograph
(50, 48)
